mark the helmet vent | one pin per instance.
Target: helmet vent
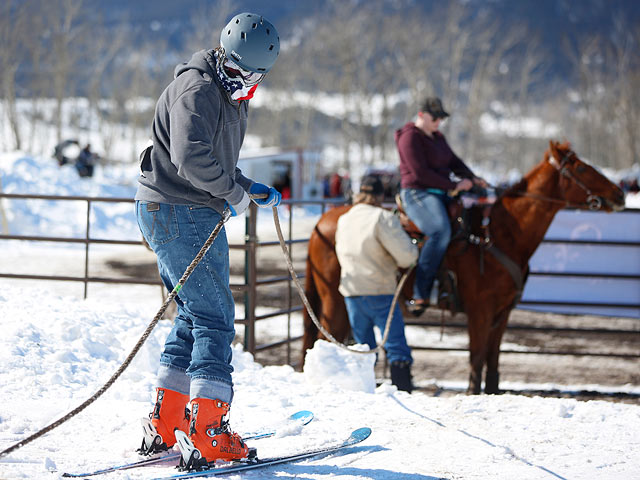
(243, 35)
(268, 31)
(237, 21)
(271, 47)
(254, 26)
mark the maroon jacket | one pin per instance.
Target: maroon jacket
(426, 162)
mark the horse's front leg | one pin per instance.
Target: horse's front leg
(492, 379)
(335, 318)
(478, 333)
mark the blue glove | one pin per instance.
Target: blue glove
(239, 208)
(273, 198)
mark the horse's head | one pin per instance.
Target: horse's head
(581, 184)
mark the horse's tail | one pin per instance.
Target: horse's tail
(310, 329)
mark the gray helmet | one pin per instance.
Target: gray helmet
(251, 41)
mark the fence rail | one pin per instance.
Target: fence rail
(248, 288)
(292, 305)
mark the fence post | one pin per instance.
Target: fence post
(250, 294)
(86, 250)
(290, 286)
(3, 215)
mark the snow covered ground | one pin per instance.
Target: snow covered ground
(56, 350)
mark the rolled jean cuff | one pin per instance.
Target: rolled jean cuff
(211, 388)
(173, 378)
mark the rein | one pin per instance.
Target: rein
(594, 202)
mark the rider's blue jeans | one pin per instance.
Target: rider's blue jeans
(429, 212)
(196, 359)
(368, 310)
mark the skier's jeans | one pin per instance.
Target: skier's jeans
(196, 359)
(429, 212)
(365, 311)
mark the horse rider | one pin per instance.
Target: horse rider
(189, 177)
(426, 164)
(370, 246)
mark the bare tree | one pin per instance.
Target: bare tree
(13, 33)
(106, 46)
(207, 22)
(66, 30)
(625, 80)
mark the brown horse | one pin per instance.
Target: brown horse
(490, 267)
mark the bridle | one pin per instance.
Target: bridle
(593, 201)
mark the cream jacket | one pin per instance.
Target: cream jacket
(371, 245)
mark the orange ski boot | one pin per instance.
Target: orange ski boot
(210, 433)
(169, 413)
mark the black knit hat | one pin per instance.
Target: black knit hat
(371, 184)
(433, 105)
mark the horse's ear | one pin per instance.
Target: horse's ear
(553, 148)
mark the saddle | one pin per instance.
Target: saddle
(469, 213)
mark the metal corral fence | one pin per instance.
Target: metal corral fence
(249, 288)
(250, 247)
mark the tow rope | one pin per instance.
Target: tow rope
(305, 301)
(194, 263)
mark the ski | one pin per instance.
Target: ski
(172, 458)
(356, 437)
(301, 418)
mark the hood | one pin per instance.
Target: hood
(408, 126)
(412, 126)
(203, 61)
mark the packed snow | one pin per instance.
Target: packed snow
(56, 350)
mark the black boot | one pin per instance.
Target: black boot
(401, 376)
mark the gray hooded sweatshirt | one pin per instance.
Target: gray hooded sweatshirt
(197, 133)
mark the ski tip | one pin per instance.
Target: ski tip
(303, 416)
(360, 434)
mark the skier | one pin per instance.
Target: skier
(189, 176)
(370, 246)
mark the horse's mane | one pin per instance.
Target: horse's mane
(521, 185)
(518, 187)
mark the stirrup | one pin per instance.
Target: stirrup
(416, 309)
